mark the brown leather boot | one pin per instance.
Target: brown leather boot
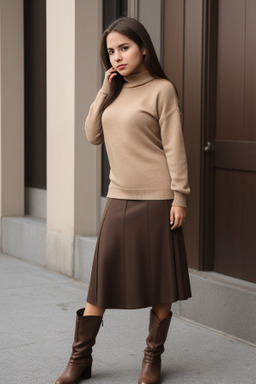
(151, 364)
(80, 362)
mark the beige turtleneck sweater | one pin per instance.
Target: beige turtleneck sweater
(144, 141)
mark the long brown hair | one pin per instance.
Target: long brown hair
(136, 32)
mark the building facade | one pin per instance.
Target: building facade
(53, 182)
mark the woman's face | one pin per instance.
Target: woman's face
(124, 54)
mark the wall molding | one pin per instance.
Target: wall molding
(133, 8)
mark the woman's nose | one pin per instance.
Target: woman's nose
(118, 56)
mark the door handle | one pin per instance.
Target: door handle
(209, 147)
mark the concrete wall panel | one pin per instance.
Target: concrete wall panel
(11, 109)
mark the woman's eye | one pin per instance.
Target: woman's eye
(124, 48)
(110, 52)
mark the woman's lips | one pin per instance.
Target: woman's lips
(121, 66)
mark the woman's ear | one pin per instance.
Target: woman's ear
(143, 51)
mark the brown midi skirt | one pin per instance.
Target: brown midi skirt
(139, 261)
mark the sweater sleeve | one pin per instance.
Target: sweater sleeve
(93, 126)
(173, 144)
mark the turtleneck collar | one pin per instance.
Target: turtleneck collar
(136, 79)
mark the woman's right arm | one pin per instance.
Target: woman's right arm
(93, 126)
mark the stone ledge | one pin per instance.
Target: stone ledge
(221, 302)
(25, 237)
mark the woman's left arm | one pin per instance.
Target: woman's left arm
(174, 149)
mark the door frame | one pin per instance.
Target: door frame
(209, 83)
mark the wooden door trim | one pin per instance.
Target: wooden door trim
(209, 78)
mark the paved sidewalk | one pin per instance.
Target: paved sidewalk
(37, 317)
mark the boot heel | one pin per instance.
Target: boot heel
(87, 373)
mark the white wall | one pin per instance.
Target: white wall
(73, 165)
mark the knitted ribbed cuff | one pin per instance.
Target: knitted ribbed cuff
(179, 200)
(105, 86)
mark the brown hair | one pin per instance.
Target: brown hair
(136, 32)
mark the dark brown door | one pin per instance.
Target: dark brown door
(234, 141)
(35, 93)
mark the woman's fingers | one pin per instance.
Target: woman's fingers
(111, 76)
(172, 218)
(110, 73)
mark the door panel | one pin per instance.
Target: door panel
(250, 72)
(240, 155)
(235, 141)
(230, 70)
(235, 228)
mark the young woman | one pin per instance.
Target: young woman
(140, 258)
